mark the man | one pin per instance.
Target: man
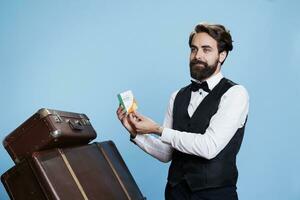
(203, 127)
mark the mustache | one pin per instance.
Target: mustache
(194, 62)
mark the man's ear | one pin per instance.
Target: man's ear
(222, 56)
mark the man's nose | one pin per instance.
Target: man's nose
(199, 55)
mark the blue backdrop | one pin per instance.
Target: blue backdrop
(77, 55)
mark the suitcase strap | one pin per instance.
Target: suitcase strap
(73, 174)
(115, 173)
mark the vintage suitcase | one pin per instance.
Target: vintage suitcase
(48, 129)
(20, 183)
(94, 172)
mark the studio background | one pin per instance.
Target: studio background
(78, 55)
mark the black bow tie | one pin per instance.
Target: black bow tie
(196, 86)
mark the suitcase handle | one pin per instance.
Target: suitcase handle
(76, 125)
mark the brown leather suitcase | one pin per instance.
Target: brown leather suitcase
(20, 183)
(94, 172)
(48, 129)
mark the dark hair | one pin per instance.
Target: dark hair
(216, 31)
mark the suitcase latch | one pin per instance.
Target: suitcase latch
(76, 125)
(86, 122)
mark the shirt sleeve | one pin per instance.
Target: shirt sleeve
(153, 145)
(231, 115)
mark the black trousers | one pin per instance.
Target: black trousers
(182, 191)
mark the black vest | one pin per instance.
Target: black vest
(201, 173)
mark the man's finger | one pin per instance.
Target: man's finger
(138, 115)
(119, 110)
(132, 119)
(121, 115)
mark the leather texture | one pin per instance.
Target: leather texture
(95, 172)
(46, 130)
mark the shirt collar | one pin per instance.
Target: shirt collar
(212, 81)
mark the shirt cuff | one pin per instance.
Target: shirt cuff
(132, 139)
(136, 138)
(167, 135)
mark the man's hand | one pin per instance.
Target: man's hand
(144, 125)
(123, 117)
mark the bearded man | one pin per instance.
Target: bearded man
(203, 127)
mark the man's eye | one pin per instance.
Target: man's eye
(193, 49)
(206, 50)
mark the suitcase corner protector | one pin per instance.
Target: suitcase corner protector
(43, 112)
(56, 133)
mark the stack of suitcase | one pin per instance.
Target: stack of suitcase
(54, 161)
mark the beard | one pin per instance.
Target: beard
(204, 71)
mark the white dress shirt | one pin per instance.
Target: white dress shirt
(230, 116)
